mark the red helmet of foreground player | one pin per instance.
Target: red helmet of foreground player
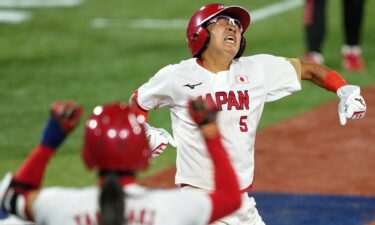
(197, 35)
(114, 140)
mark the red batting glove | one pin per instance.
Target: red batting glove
(202, 112)
(67, 113)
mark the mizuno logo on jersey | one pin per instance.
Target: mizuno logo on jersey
(192, 86)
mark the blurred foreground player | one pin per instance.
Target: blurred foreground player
(116, 147)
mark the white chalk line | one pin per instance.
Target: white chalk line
(38, 3)
(12, 16)
(15, 17)
(162, 24)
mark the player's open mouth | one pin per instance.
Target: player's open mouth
(231, 39)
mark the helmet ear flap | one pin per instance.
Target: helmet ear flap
(197, 40)
(242, 48)
(205, 36)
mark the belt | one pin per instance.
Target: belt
(248, 189)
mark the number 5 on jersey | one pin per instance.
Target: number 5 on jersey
(243, 124)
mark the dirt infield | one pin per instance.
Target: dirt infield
(311, 153)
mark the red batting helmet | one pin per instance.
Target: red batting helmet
(196, 33)
(114, 140)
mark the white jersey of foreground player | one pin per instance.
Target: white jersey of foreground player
(143, 206)
(239, 93)
(117, 199)
(13, 220)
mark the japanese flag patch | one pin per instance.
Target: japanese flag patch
(242, 79)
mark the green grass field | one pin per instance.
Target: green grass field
(58, 55)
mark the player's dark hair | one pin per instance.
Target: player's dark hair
(111, 200)
(242, 48)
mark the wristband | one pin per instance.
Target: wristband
(53, 134)
(333, 81)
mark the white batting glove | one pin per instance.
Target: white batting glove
(352, 105)
(158, 139)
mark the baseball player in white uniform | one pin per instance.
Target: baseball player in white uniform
(116, 146)
(239, 86)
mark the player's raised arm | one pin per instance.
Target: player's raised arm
(133, 103)
(17, 193)
(158, 138)
(226, 197)
(352, 105)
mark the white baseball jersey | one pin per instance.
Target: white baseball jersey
(239, 93)
(67, 206)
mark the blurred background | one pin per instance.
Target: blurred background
(95, 51)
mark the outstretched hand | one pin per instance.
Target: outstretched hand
(352, 105)
(64, 118)
(67, 114)
(202, 112)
